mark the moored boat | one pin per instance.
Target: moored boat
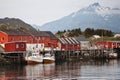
(113, 55)
(34, 58)
(48, 58)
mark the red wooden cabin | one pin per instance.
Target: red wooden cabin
(33, 37)
(12, 35)
(51, 41)
(108, 44)
(69, 44)
(15, 46)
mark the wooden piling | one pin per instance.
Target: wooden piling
(13, 58)
(80, 54)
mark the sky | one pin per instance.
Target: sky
(40, 12)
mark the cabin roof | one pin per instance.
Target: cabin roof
(62, 40)
(19, 32)
(38, 33)
(69, 40)
(15, 32)
(75, 40)
(79, 39)
(50, 35)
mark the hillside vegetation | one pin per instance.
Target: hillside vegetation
(88, 33)
(14, 23)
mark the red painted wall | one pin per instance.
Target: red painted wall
(53, 42)
(13, 38)
(70, 46)
(29, 39)
(108, 44)
(15, 46)
(3, 37)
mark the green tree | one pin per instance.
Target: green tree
(89, 32)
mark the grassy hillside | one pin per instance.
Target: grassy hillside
(15, 23)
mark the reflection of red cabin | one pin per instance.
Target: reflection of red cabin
(15, 46)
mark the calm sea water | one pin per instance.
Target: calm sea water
(80, 70)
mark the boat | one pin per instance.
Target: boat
(113, 55)
(48, 58)
(34, 58)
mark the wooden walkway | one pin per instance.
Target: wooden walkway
(19, 57)
(13, 57)
(81, 54)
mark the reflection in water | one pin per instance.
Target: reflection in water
(11, 71)
(105, 70)
(40, 71)
(68, 70)
(33, 71)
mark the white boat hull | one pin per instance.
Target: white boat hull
(31, 60)
(34, 58)
(48, 58)
(113, 55)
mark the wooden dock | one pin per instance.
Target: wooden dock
(61, 56)
(83, 54)
(13, 57)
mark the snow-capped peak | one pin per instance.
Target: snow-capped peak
(96, 8)
(87, 10)
(92, 16)
(95, 5)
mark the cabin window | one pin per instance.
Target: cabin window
(2, 39)
(42, 45)
(12, 39)
(17, 45)
(113, 44)
(118, 44)
(37, 46)
(22, 45)
(20, 38)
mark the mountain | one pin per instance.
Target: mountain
(93, 16)
(35, 26)
(15, 23)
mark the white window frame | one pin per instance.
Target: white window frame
(17, 45)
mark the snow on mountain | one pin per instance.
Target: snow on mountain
(93, 16)
(35, 26)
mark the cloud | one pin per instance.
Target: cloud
(42, 11)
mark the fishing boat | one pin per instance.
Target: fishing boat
(48, 58)
(34, 58)
(113, 55)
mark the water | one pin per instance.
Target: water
(87, 70)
